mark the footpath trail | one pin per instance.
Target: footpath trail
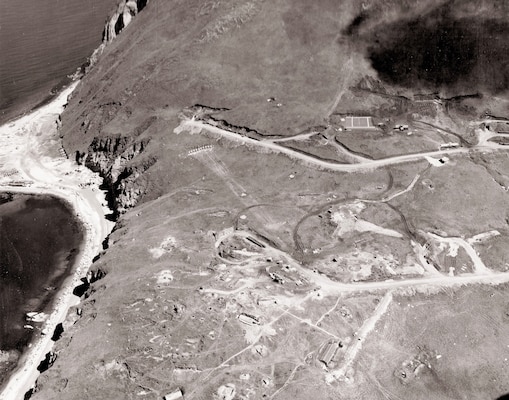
(25, 168)
(345, 76)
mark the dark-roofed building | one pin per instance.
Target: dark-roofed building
(328, 352)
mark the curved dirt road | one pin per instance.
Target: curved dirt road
(364, 165)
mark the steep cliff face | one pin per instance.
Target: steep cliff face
(122, 17)
(113, 157)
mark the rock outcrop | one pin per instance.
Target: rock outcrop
(48, 361)
(112, 157)
(122, 16)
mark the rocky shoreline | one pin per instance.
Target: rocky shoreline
(25, 151)
(91, 204)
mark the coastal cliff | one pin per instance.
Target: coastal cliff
(117, 160)
(123, 15)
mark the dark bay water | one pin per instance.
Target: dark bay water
(39, 242)
(41, 42)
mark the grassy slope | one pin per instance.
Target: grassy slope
(283, 50)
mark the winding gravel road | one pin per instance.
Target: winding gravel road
(364, 165)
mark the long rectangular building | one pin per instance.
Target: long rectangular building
(328, 353)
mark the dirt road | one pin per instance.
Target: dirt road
(364, 165)
(328, 287)
(359, 338)
(479, 266)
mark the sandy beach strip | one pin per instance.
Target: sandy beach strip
(25, 168)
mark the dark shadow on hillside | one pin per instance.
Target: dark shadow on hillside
(441, 50)
(503, 397)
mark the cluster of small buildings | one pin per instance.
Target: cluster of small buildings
(277, 278)
(401, 127)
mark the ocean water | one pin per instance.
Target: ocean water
(40, 239)
(41, 42)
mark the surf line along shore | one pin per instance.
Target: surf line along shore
(27, 166)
